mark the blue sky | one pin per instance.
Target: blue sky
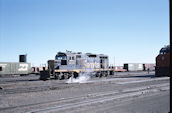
(132, 31)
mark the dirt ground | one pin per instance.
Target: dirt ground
(123, 92)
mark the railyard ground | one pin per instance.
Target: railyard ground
(123, 92)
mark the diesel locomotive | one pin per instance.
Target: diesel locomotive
(163, 62)
(67, 64)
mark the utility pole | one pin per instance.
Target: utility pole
(114, 61)
(114, 65)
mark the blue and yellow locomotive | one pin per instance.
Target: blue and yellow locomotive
(67, 64)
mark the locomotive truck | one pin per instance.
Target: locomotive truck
(67, 64)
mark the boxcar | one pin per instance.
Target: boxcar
(150, 66)
(15, 68)
(134, 66)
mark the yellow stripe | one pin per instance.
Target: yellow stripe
(81, 70)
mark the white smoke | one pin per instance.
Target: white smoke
(82, 78)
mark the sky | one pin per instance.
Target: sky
(128, 31)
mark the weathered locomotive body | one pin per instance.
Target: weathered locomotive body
(72, 61)
(163, 62)
(67, 64)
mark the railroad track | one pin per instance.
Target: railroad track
(28, 78)
(15, 88)
(101, 97)
(28, 89)
(88, 99)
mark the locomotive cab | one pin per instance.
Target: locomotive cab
(61, 58)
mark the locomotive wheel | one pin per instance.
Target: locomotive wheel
(101, 74)
(97, 74)
(61, 76)
(66, 75)
(106, 74)
(56, 75)
(75, 74)
(69, 75)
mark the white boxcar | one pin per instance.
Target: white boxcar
(134, 66)
(15, 68)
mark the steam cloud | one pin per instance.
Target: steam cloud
(82, 78)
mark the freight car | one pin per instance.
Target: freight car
(139, 66)
(67, 64)
(150, 66)
(163, 62)
(134, 66)
(120, 69)
(35, 70)
(15, 68)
